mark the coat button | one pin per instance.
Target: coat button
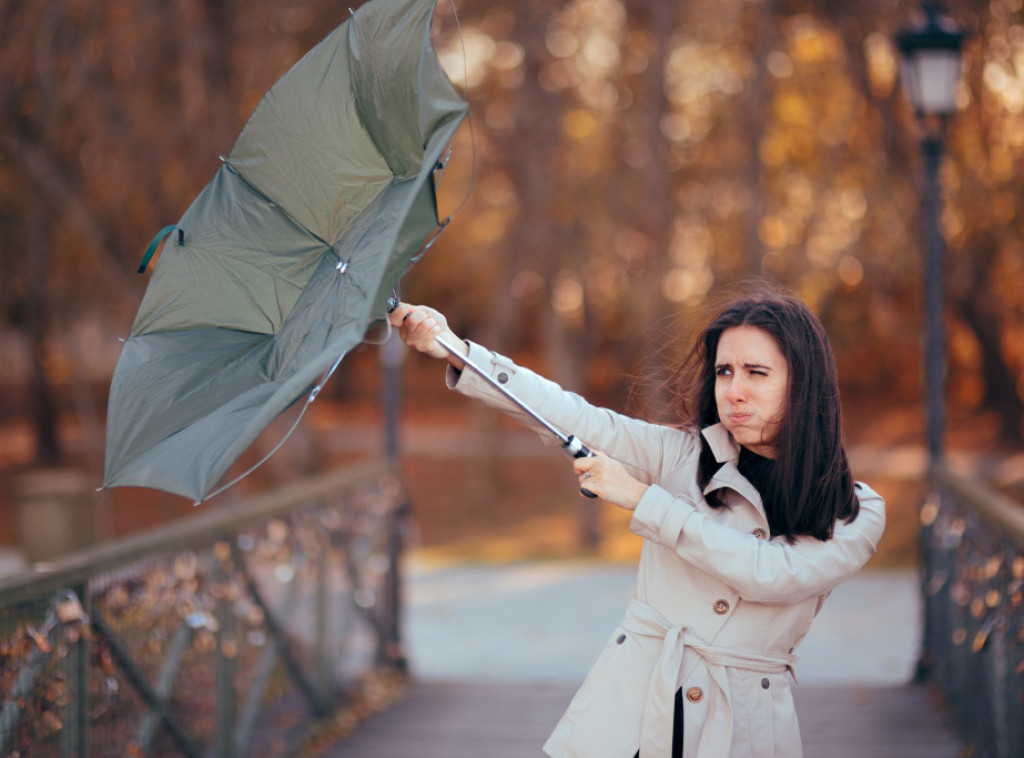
(721, 607)
(502, 378)
(759, 533)
(621, 639)
(694, 694)
(765, 684)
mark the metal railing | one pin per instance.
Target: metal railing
(228, 633)
(972, 543)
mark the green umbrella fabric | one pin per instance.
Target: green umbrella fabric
(289, 253)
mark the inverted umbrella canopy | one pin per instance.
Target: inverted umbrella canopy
(288, 255)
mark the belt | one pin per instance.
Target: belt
(656, 726)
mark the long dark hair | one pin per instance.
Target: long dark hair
(810, 485)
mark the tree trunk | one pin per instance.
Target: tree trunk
(756, 101)
(980, 308)
(656, 211)
(41, 400)
(999, 381)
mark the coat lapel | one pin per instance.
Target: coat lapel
(728, 476)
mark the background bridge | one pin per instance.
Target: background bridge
(274, 624)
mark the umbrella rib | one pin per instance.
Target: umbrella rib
(427, 245)
(313, 393)
(469, 123)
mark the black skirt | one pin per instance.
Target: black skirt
(677, 730)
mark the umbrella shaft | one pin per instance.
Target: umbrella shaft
(566, 441)
(570, 443)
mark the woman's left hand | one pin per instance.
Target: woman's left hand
(609, 480)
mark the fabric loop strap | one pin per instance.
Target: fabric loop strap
(155, 243)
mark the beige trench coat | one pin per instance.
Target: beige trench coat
(717, 608)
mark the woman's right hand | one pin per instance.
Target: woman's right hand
(419, 326)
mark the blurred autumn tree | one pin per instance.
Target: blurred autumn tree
(635, 157)
(626, 160)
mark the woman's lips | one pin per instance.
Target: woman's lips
(739, 418)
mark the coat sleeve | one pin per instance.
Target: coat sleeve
(645, 448)
(763, 571)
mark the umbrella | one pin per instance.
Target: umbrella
(288, 255)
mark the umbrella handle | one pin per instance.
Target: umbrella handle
(577, 449)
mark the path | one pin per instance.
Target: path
(496, 720)
(546, 621)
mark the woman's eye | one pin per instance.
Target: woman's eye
(722, 371)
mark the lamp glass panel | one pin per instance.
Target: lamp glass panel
(909, 80)
(936, 73)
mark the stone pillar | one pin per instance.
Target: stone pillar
(55, 510)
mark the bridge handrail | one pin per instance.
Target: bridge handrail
(1003, 513)
(182, 534)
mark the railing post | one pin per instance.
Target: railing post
(395, 652)
(323, 662)
(1000, 694)
(73, 610)
(928, 514)
(392, 357)
(226, 653)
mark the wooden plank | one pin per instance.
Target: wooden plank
(461, 720)
(471, 719)
(882, 722)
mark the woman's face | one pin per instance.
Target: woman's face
(751, 387)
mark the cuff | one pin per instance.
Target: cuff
(659, 516)
(467, 382)
(455, 379)
(452, 376)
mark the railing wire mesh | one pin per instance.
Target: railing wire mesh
(228, 635)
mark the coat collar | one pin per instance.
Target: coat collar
(721, 443)
(727, 452)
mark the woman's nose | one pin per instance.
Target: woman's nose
(736, 392)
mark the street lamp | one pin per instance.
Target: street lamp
(930, 71)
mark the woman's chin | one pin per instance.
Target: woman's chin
(753, 442)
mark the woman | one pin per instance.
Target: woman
(750, 518)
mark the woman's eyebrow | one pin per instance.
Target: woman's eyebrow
(757, 365)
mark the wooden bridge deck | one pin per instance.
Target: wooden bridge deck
(474, 719)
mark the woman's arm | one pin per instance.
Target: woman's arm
(642, 447)
(760, 570)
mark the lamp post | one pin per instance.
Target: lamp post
(930, 71)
